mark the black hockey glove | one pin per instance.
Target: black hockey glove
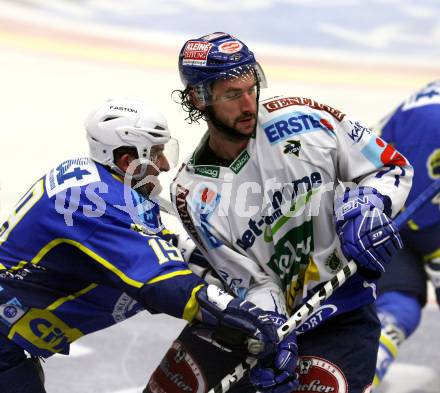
(233, 321)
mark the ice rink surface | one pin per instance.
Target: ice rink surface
(60, 58)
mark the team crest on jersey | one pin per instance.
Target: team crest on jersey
(123, 307)
(333, 263)
(292, 147)
(178, 372)
(319, 375)
(11, 312)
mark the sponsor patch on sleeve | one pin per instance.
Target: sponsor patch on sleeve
(380, 153)
(71, 173)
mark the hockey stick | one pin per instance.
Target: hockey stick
(430, 192)
(296, 319)
(165, 205)
(322, 295)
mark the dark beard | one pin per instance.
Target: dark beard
(147, 189)
(230, 132)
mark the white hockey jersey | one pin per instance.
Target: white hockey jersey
(266, 222)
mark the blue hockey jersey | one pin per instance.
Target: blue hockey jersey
(414, 129)
(81, 252)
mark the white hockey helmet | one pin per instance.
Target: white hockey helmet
(125, 122)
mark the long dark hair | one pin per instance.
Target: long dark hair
(183, 97)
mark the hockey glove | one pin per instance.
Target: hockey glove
(366, 232)
(183, 242)
(432, 269)
(234, 320)
(276, 374)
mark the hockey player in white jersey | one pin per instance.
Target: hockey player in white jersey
(258, 198)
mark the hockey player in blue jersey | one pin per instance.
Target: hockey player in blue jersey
(414, 129)
(82, 250)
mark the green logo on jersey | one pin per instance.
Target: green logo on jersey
(240, 162)
(207, 170)
(273, 218)
(298, 204)
(291, 251)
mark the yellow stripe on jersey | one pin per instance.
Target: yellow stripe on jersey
(432, 255)
(73, 296)
(192, 306)
(392, 348)
(170, 275)
(376, 381)
(300, 281)
(117, 177)
(412, 225)
(312, 272)
(22, 207)
(54, 243)
(20, 265)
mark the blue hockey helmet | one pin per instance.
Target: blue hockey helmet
(216, 56)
